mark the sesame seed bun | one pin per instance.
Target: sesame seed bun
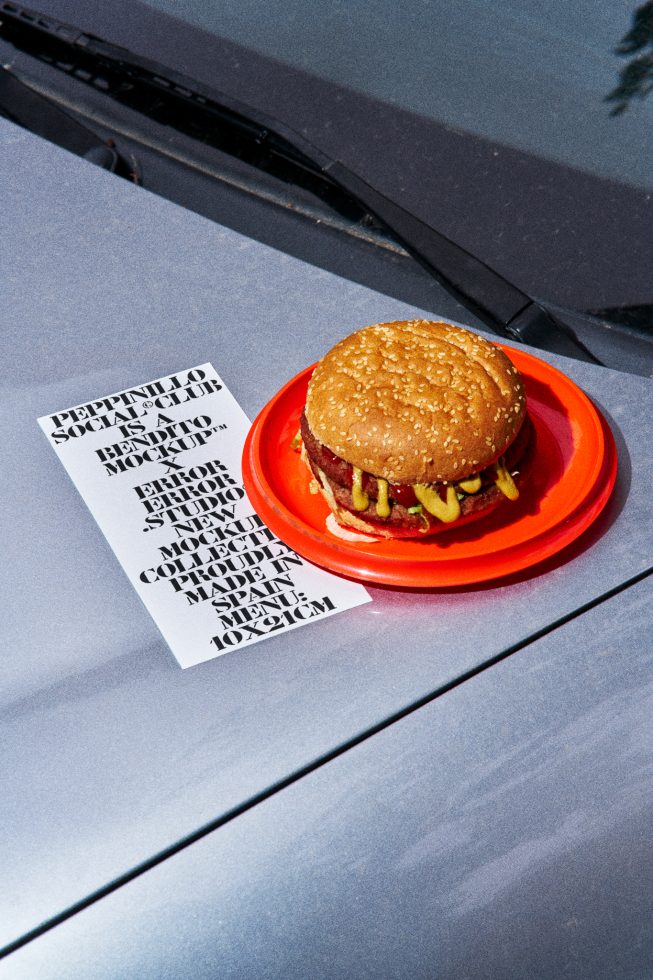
(416, 401)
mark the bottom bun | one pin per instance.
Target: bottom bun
(347, 533)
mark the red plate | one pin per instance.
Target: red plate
(568, 486)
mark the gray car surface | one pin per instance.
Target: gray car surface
(441, 782)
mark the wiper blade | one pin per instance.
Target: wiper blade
(244, 132)
(172, 100)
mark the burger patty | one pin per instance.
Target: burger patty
(338, 473)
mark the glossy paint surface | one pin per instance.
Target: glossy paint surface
(111, 753)
(502, 831)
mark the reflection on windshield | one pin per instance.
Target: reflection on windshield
(636, 78)
(522, 73)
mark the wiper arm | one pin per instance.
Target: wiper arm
(235, 128)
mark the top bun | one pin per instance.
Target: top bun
(416, 401)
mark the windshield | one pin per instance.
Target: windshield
(519, 131)
(541, 78)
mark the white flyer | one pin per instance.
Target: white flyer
(159, 467)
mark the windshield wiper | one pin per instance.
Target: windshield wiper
(248, 134)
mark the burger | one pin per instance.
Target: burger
(413, 426)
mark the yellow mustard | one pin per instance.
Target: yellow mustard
(505, 482)
(430, 499)
(358, 495)
(472, 485)
(382, 502)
